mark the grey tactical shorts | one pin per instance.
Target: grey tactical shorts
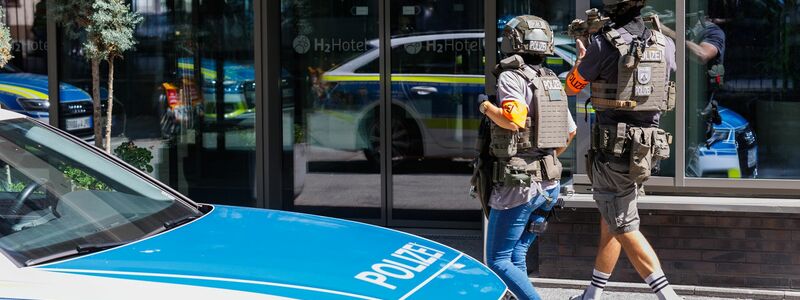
(616, 194)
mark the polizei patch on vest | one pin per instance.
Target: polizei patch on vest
(653, 55)
(551, 84)
(553, 88)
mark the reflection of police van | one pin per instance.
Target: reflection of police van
(733, 152)
(27, 93)
(436, 79)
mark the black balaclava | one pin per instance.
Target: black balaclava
(628, 16)
(532, 59)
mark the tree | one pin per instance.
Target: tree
(5, 40)
(106, 26)
(109, 34)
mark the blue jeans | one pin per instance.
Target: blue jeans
(508, 240)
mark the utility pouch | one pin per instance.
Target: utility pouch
(661, 142)
(671, 91)
(517, 173)
(551, 168)
(525, 136)
(618, 148)
(504, 142)
(641, 160)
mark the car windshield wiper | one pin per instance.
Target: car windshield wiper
(80, 249)
(171, 224)
(180, 221)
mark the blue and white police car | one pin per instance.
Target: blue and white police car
(733, 151)
(27, 93)
(76, 223)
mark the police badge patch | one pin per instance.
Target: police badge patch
(644, 75)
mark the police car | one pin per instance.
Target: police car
(26, 93)
(733, 152)
(119, 234)
(436, 80)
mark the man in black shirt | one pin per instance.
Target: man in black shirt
(628, 66)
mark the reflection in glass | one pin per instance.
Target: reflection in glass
(437, 74)
(24, 78)
(182, 94)
(741, 92)
(330, 94)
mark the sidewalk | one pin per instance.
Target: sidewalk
(562, 289)
(564, 294)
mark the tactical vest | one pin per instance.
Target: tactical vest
(546, 126)
(643, 76)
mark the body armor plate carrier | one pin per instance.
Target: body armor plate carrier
(547, 125)
(643, 77)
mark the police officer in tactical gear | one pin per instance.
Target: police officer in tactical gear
(530, 126)
(628, 66)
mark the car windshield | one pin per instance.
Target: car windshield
(58, 198)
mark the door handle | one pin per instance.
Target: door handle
(424, 90)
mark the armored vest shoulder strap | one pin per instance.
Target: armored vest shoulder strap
(516, 64)
(612, 36)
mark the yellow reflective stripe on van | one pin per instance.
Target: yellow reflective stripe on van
(405, 78)
(23, 92)
(555, 61)
(581, 109)
(350, 78)
(207, 73)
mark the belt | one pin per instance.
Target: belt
(612, 103)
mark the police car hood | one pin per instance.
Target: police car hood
(294, 255)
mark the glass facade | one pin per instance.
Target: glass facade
(437, 71)
(331, 98)
(185, 93)
(23, 81)
(363, 78)
(742, 89)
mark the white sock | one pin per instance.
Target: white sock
(658, 282)
(596, 286)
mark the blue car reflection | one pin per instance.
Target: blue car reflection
(733, 151)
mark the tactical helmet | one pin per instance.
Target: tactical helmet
(617, 7)
(527, 34)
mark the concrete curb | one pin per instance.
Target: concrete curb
(682, 290)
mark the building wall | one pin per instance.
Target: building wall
(696, 248)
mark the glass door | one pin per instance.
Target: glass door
(437, 67)
(331, 98)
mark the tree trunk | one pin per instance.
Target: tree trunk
(110, 105)
(98, 136)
